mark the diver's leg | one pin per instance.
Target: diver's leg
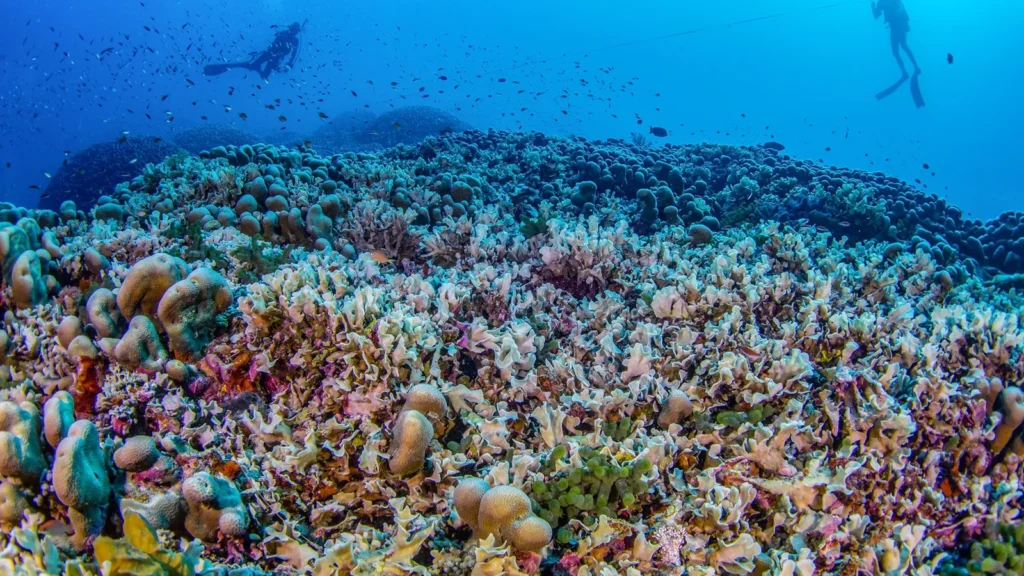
(896, 40)
(913, 61)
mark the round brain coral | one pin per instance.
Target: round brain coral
(189, 311)
(146, 283)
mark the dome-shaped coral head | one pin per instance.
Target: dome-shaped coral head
(413, 433)
(505, 512)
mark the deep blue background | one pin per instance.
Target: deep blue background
(806, 75)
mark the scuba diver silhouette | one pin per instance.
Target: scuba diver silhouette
(285, 44)
(899, 26)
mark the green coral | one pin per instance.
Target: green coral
(258, 262)
(139, 553)
(194, 248)
(602, 486)
(531, 227)
(618, 430)
(1000, 553)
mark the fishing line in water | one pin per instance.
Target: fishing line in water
(587, 53)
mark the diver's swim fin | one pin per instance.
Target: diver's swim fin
(915, 90)
(889, 91)
(217, 69)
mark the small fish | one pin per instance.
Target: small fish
(47, 174)
(925, 166)
(282, 118)
(134, 160)
(501, 80)
(164, 97)
(844, 224)
(749, 352)
(380, 257)
(243, 115)
(397, 126)
(322, 115)
(658, 131)
(442, 78)
(949, 57)
(122, 139)
(33, 187)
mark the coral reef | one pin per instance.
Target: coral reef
(199, 138)
(97, 170)
(509, 353)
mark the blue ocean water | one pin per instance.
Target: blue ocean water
(802, 72)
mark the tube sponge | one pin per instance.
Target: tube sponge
(58, 416)
(413, 433)
(140, 346)
(80, 480)
(214, 505)
(504, 511)
(189, 311)
(21, 454)
(146, 282)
